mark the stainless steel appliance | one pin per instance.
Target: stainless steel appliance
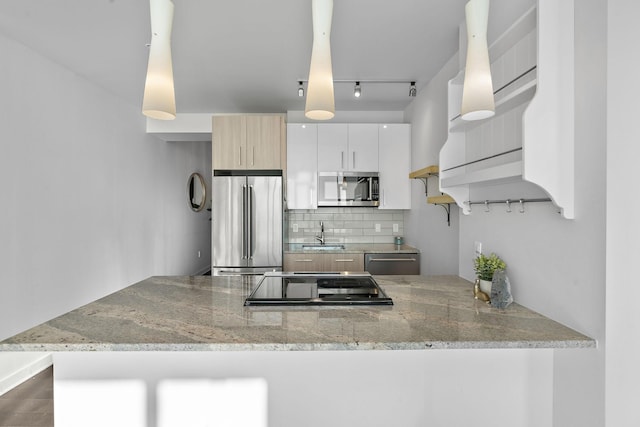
(246, 222)
(280, 288)
(348, 189)
(392, 263)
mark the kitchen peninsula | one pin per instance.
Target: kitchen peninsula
(207, 313)
(312, 358)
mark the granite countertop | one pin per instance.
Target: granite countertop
(370, 248)
(205, 313)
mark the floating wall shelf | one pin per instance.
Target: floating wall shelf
(442, 200)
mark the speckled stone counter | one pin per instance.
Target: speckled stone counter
(206, 313)
(356, 248)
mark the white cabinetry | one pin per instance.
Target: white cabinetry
(333, 142)
(347, 147)
(302, 166)
(394, 143)
(363, 147)
(313, 148)
(530, 138)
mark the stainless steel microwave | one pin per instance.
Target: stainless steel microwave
(348, 189)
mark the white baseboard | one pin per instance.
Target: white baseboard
(22, 373)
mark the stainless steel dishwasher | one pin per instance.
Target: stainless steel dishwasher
(392, 263)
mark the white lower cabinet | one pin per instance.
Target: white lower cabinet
(394, 145)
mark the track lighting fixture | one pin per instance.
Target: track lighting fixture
(357, 91)
(412, 89)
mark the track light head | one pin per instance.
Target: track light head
(357, 91)
(412, 89)
(300, 90)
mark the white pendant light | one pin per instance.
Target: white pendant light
(477, 92)
(320, 102)
(159, 100)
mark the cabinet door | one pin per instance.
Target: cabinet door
(302, 262)
(228, 138)
(395, 166)
(343, 262)
(302, 166)
(363, 148)
(263, 142)
(332, 147)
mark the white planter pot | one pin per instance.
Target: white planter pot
(485, 286)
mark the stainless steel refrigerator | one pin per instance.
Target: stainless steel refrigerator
(246, 221)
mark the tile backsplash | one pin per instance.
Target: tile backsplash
(344, 225)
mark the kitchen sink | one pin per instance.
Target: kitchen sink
(322, 247)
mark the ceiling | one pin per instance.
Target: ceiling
(246, 56)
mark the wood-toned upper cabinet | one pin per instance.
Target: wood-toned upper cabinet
(263, 142)
(247, 142)
(229, 142)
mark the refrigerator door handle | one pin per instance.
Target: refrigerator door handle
(250, 220)
(244, 222)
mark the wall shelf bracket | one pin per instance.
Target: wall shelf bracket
(447, 209)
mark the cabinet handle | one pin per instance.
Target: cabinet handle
(239, 156)
(354, 160)
(253, 155)
(303, 260)
(392, 259)
(344, 260)
(342, 160)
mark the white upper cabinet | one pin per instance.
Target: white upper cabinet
(314, 148)
(363, 147)
(302, 166)
(395, 165)
(333, 146)
(347, 147)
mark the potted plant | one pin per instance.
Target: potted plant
(485, 266)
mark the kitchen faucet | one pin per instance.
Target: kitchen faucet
(320, 238)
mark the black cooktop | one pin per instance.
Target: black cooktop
(281, 288)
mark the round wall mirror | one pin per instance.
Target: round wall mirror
(197, 192)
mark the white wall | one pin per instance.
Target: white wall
(556, 266)
(623, 227)
(435, 388)
(426, 225)
(89, 203)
